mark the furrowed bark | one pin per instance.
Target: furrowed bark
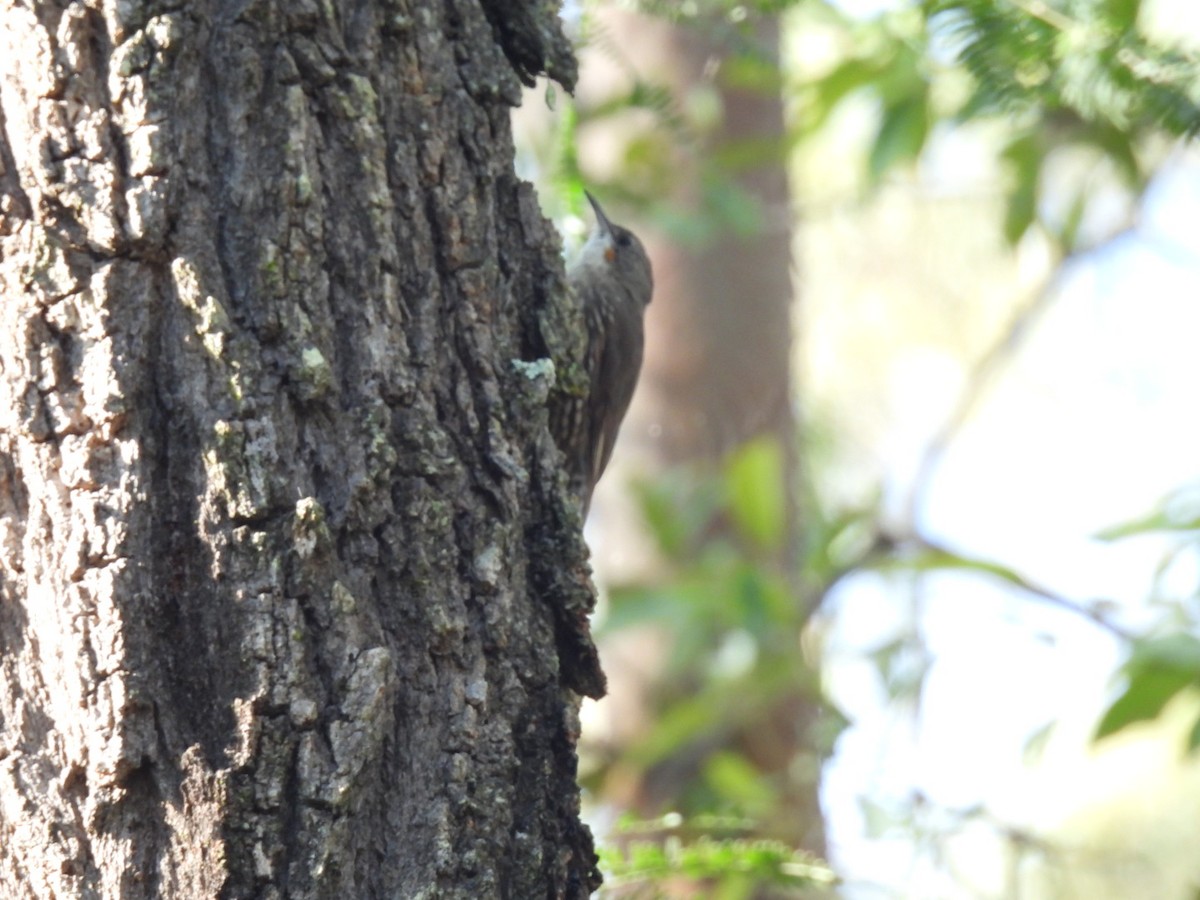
(293, 596)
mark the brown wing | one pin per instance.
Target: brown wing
(614, 360)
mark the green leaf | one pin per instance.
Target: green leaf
(1148, 692)
(1152, 522)
(901, 136)
(839, 542)
(828, 92)
(1121, 14)
(1179, 512)
(933, 559)
(1158, 669)
(1024, 157)
(757, 490)
(1175, 651)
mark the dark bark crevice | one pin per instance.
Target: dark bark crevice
(532, 39)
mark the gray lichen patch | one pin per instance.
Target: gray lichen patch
(312, 374)
(366, 716)
(45, 269)
(209, 317)
(310, 529)
(238, 466)
(539, 372)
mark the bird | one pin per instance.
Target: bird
(611, 279)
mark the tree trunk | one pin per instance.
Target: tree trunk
(293, 595)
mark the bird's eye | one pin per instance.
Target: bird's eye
(624, 240)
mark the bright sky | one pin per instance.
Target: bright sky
(1091, 424)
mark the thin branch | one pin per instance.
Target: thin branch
(1090, 610)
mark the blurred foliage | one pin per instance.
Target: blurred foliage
(1085, 58)
(1157, 671)
(1051, 81)
(1075, 76)
(705, 852)
(735, 615)
(1164, 664)
(1072, 79)
(732, 615)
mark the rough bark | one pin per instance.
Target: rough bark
(293, 598)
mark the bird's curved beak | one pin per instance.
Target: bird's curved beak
(601, 219)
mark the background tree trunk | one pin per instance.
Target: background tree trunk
(719, 369)
(293, 599)
(719, 337)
